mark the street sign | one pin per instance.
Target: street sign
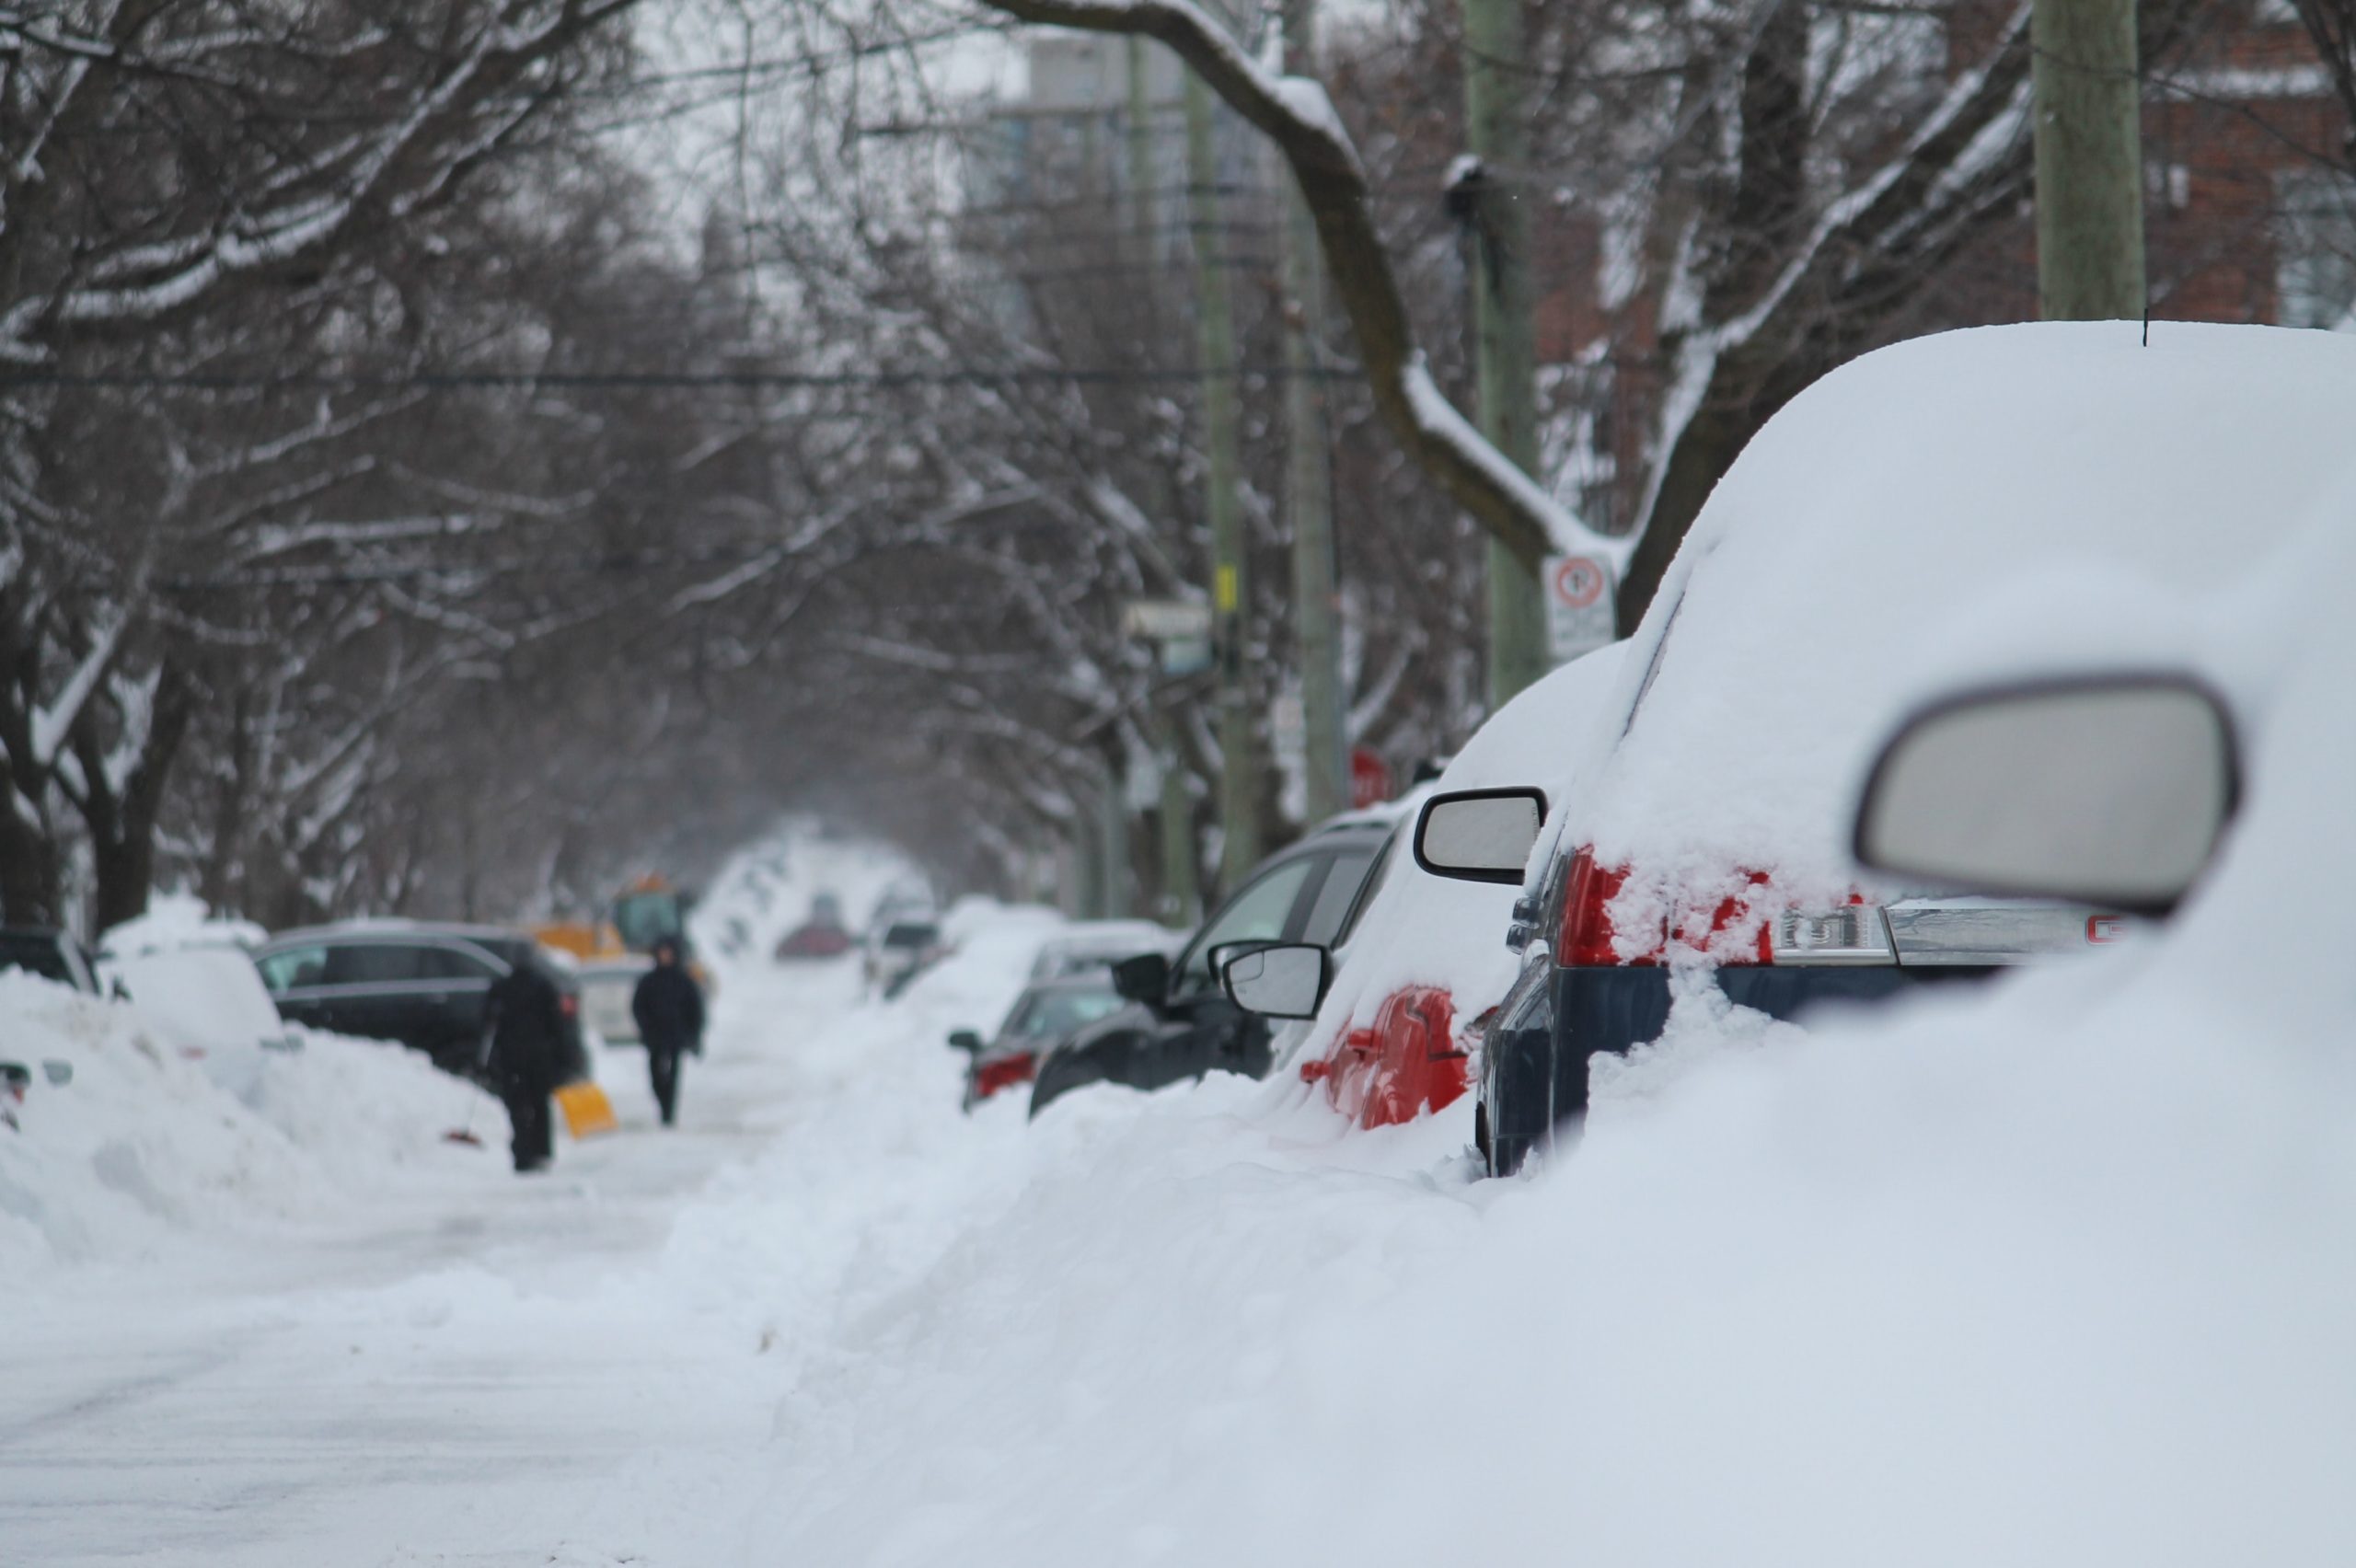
(1370, 782)
(1580, 604)
(1167, 620)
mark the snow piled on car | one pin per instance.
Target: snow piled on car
(145, 1147)
(2001, 496)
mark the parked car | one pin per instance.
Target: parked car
(607, 986)
(52, 954)
(421, 983)
(821, 936)
(1178, 1023)
(1417, 975)
(1931, 508)
(1049, 1012)
(899, 951)
(1089, 945)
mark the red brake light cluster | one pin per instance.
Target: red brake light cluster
(1854, 934)
(1003, 1072)
(567, 1004)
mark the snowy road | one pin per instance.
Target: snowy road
(481, 1372)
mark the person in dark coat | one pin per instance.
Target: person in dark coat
(668, 1006)
(527, 1057)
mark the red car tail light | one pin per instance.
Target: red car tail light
(567, 1004)
(1586, 937)
(1003, 1072)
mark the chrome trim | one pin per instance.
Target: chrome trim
(1858, 938)
(1953, 933)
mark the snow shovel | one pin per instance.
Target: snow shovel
(586, 1110)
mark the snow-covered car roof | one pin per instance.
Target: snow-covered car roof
(1931, 506)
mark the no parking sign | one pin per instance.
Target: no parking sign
(1579, 605)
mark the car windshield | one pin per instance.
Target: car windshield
(645, 919)
(912, 936)
(35, 955)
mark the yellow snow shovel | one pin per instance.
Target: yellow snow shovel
(586, 1110)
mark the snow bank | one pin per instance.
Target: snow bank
(144, 1146)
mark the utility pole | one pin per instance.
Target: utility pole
(2089, 160)
(1309, 478)
(1496, 128)
(1239, 788)
(1181, 894)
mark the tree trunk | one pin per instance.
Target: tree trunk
(2089, 161)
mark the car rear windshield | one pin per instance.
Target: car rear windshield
(1049, 1015)
(35, 955)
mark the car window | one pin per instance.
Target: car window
(375, 963)
(1259, 913)
(35, 955)
(453, 964)
(1046, 1015)
(912, 936)
(1337, 895)
(1372, 884)
(292, 968)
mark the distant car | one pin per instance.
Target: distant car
(52, 954)
(815, 938)
(607, 986)
(420, 983)
(901, 951)
(1043, 1016)
(1179, 1023)
(1088, 945)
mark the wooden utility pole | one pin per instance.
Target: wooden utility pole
(1180, 877)
(1308, 479)
(2089, 160)
(1238, 789)
(1496, 129)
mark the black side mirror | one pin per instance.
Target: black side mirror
(1145, 978)
(1480, 834)
(965, 1039)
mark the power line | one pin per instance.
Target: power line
(657, 380)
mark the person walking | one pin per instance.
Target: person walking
(527, 1057)
(668, 1006)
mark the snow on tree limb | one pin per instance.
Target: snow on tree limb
(1294, 113)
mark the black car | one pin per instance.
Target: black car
(422, 985)
(52, 954)
(1047, 1014)
(1179, 1024)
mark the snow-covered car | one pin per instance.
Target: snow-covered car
(1924, 511)
(51, 953)
(1417, 972)
(1049, 1012)
(1179, 1024)
(192, 976)
(901, 950)
(607, 986)
(1088, 945)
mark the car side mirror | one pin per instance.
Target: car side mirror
(965, 1039)
(1145, 978)
(1480, 834)
(1288, 980)
(2106, 790)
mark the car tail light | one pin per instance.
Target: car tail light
(1734, 934)
(567, 1004)
(1003, 1072)
(1586, 937)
